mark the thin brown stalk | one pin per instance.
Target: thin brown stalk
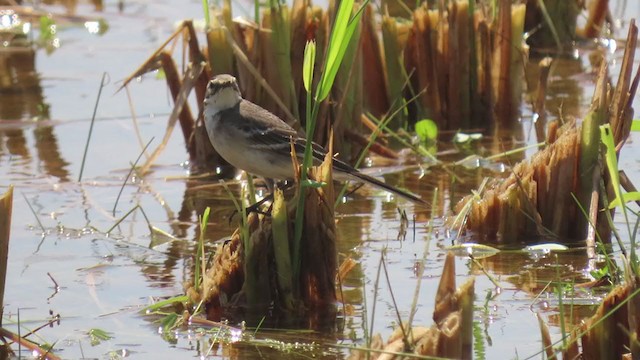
(190, 79)
(47, 354)
(6, 209)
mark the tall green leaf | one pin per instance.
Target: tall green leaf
(341, 35)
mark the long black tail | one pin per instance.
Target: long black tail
(358, 176)
(343, 172)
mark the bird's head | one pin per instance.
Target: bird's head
(222, 93)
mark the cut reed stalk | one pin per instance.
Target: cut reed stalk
(590, 149)
(375, 96)
(221, 59)
(280, 233)
(450, 337)
(393, 43)
(536, 199)
(243, 272)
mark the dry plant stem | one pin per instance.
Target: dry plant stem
(622, 97)
(190, 78)
(28, 344)
(131, 169)
(161, 58)
(425, 253)
(603, 337)
(593, 215)
(633, 308)
(375, 147)
(319, 252)
(185, 30)
(6, 207)
(103, 83)
(134, 118)
(175, 85)
(541, 93)
(405, 332)
(546, 338)
(597, 14)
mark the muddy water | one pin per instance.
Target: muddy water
(104, 281)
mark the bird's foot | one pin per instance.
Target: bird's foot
(255, 208)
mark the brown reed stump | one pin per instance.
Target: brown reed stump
(248, 284)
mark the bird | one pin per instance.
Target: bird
(255, 140)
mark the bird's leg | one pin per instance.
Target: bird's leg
(271, 185)
(255, 208)
(352, 191)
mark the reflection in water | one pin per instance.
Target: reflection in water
(534, 273)
(21, 100)
(565, 92)
(72, 5)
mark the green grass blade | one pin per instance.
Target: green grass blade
(628, 197)
(611, 159)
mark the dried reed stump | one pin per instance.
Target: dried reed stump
(249, 284)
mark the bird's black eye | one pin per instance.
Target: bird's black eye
(210, 86)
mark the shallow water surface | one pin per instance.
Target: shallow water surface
(62, 263)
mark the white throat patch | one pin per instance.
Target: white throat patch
(224, 99)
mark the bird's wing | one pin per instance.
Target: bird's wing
(269, 131)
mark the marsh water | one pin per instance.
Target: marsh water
(62, 263)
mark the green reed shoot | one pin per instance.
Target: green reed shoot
(342, 32)
(199, 260)
(207, 16)
(612, 166)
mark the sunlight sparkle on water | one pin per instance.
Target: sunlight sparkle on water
(8, 20)
(236, 335)
(93, 27)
